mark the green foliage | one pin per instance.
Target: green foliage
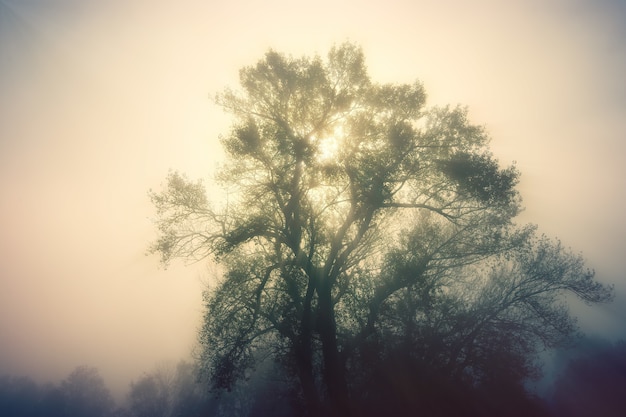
(182, 209)
(400, 240)
(480, 176)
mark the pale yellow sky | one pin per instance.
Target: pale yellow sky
(102, 98)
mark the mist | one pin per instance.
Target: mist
(99, 100)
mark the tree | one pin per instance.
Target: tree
(19, 396)
(360, 223)
(168, 391)
(147, 398)
(86, 394)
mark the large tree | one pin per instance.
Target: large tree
(360, 224)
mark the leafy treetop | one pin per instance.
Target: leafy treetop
(357, 217)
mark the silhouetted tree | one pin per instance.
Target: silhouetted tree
(189, 396)
(147, 398)
(19, 396)
(169, 391)
(266, 391)
(86, 394)
(359, 224)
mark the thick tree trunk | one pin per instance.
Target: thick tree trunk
(334, 371)
(304, 363)
(307, 381)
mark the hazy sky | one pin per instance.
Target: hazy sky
(98, 99)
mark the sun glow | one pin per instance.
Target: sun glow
(328, 146)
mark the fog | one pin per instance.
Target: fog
(98, 100)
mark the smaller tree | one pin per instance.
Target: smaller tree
(189, 396)
(148, 398)
(86, 394)
(168, 391)
(18, 396)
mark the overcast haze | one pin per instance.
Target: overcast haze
(98, 100)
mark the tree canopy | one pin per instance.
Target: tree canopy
(363, 226)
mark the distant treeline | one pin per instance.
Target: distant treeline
(591, 381)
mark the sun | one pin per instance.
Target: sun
(328, 146)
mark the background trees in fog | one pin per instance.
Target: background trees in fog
(82, 393)
(168, 391)
(590, 380)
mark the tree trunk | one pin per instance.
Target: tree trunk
(304, 363)
(334, 371)
(307, 381)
